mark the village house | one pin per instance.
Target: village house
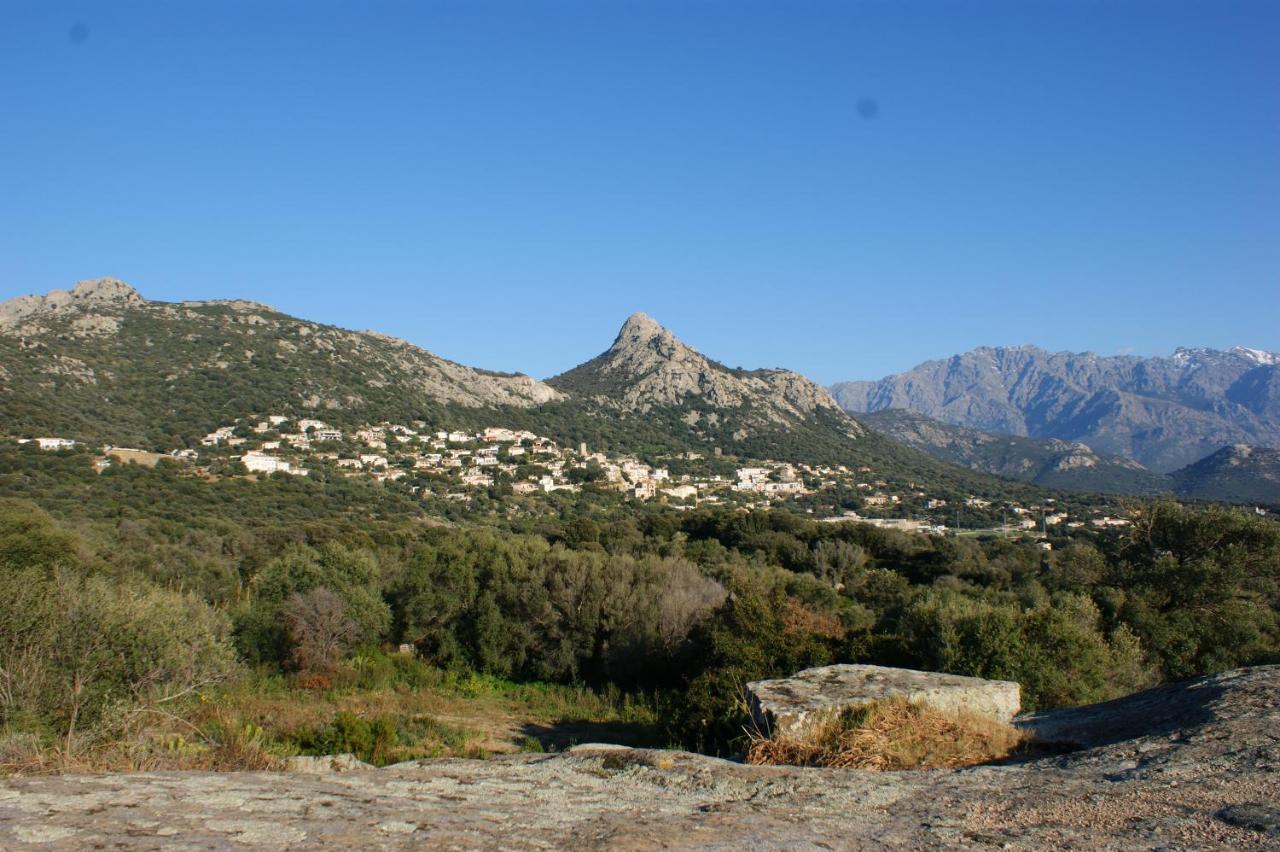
(54, 443)
(374, 438)
(644, 490)
(256, 462)
(218, 436)
(681, 492)
(548, 484)
(308, 424)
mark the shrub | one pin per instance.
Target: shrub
(317, 625)
(1057, 652)
(72, 647)
(350, 576)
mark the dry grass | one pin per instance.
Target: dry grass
(142, 744)
(896, 734)
(257, 723)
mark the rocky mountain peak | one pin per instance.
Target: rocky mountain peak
(97, 292)
(647, 366)
(641, 326)
(105, 290)
(641, 333)
(1257, 356)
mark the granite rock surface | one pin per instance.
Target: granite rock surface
(1193, 765)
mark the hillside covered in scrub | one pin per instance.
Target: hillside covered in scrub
(139, 585)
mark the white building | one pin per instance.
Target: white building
(217, 436)
(256, 462)
(55, 443)
(681, 492)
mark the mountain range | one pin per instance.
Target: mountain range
(101, 363)
(1163, 412)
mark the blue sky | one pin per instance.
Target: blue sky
(843, 188)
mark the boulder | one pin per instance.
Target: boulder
(793, 706)
(326, 764)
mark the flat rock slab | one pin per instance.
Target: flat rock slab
(1203, 773)
(793, 706)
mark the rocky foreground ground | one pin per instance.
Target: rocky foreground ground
(1190, 765)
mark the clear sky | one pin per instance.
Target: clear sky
(843, 188)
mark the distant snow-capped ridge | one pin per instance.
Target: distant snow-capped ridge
(1164, 412)
(1260, 357)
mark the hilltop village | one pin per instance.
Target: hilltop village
(459, 465)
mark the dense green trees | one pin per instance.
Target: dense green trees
(149, 583)
(78, 647)
(276, 600)
(1200, 587)
(1056, 650)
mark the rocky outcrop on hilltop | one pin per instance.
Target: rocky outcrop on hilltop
(85, 296)
(1162, 412)
(1191, 765)
(648, 367)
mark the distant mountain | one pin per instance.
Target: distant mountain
(101, 362)
(1162, 412)
(659, 391)
(647, 367)
(1044, 461)
(1237, 473)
